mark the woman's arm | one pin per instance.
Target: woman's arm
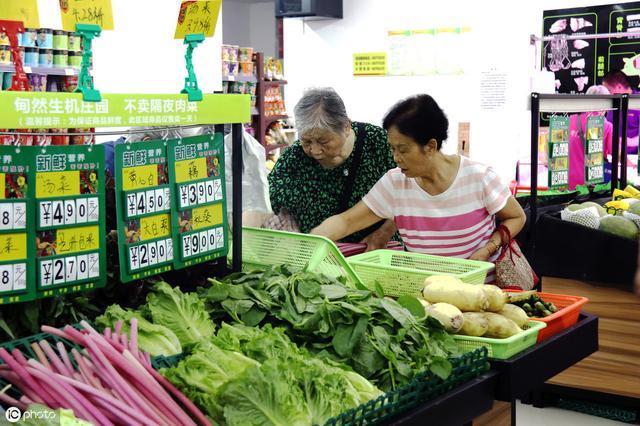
(380, 237)
(513, 217)
(353, 220)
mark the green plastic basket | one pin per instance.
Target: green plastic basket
(262, 248)
(403, 273)
(161, 361)
(503, 348)
(426, 386)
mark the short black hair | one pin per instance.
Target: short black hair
(420, 118)
(616, 77)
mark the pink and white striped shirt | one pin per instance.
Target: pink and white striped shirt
(455, 223)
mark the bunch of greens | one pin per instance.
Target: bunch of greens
(252, 376)
(169, 321)
(377, 337)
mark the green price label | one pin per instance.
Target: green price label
(70, 217)
(196, 173)
(594, 150)
(17, 236)
(144, 207)
(558, 158)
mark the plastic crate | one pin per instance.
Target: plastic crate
(424, 387)
(403, 273)
(569, 308)
(503, 348)
(262, 248)
(161, 361)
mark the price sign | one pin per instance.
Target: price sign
(558, 152)
(17, 240)
(70, 218)
(196, 173)
(594, 150)
(96, 12)
(143, 210)
(197, 17)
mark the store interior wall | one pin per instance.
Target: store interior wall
(319, 53)
(141, 55)
(250, 23)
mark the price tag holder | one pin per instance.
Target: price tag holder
(17, 236)
(196, 174)
(70, 217)
(594, 150)
(558, 160)
(144, 207)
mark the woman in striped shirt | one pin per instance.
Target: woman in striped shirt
(442, 204)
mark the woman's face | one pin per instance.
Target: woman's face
(323, 145)
(412, 158)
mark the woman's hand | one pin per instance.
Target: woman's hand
(379, 238)
(482, 254)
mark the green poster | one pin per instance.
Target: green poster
(558, 152)
(196, 174)
(67, 110)
(17, 240)
(144, 210)
(70, 217)
(594, 150)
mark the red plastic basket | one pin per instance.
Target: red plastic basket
(569, 308)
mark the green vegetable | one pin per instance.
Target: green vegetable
(182, 313)
(153, 338)
(378, 337)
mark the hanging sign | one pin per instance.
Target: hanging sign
(61, 110)
(370, 64)
(70, 218)
(96, 12)
(197, 17)
(25, 11)
(594, 150)
(196, 173)
(17, 238)
(558, 152)
(143, 210)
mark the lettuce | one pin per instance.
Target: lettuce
(182, 313)
(153, 338)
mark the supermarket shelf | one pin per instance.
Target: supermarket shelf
(273, 83)
(270, 148)
(241, 78)
(456, 407)
(529, 370)
(271, 118)
(42, 70)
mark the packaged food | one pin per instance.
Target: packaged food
(59, 139)
(246, 68)
(75, 59)
(233, 68)
(75, 42)
(60, 59)
(60, 40)
(4, 39)
(45, 58)
(31, 56)
(233, 53)
(225, 52)
(5, 55)
(225, 69)
(45, 38)
(37, 82)
(245, 54)
(29, 37)
(7, 79)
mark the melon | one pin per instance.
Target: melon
(601, 211)
(620, 226)
(635, 209)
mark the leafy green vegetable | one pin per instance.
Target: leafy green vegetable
(182, 313)
(153, 338)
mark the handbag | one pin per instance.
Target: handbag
(512, 268)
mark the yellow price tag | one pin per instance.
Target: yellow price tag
(374, 63)
(197, 17)
(139, 177)
(74, 240)
(13, 247)
(2, 186)
(206, 217)
(57, 184)
(21, 10)
(157, 226)
(96, 12)
(190, 170)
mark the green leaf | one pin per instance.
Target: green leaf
(309, 289)
(400, 314)
(237, 307)
(379, 289)
(4, 326)
(333, 291)
(237, 291)
(253, 317)
(441, 367)
(413, 305)
(32, 316)
(348, 337)
(217, 292)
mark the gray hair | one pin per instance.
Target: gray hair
(321, 108)
(598, 90)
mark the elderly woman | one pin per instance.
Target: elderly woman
(333, 165)
(442, 204)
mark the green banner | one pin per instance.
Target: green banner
(17, 236)
(67, 110)
(594, 150)
(70, 216)
(558, 152)
(144, 208)
(196, 173)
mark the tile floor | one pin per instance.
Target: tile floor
(528, 415)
